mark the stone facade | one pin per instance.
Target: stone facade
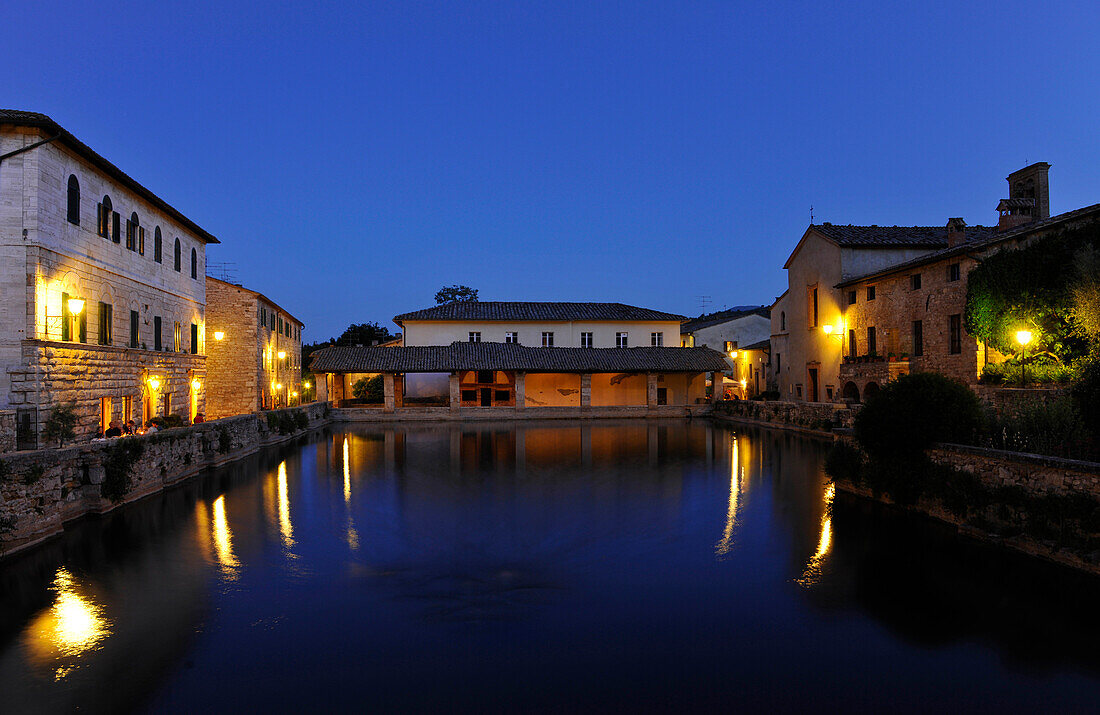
(53, 258)
(245, 373)
(42, 490)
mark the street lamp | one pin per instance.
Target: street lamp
(1023, 337)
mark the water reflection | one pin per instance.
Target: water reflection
(812, 573)
(73, 626)
(350, 534)
(285, 528)
(737, 476)
(223, 539)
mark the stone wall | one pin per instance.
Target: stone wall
(1007, 400)
(821, 416)
(1035, 473)
(41, 490)
(233, 363)
(7, 431)
(55, 373)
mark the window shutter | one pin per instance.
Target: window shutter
(116, 224)
(194, 339)
(84, 325)
(65, 318)
(141, 240)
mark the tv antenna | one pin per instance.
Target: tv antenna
(811, 214)
(704, 303)
(224, 271)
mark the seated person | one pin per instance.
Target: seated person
(113, 430)
(199, 419)
(129, 427)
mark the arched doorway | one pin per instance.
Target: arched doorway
(851, 392)
(870, 391)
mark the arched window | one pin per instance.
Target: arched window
(194, 264)
(132, 227)
(104, 217)
(158, 256)
(177, 255)
(74, 200)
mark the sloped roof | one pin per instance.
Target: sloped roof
(725, 316)
(988, 241)
(893, 236)
(764, 344)
(1005, 204)
(510, 356)
(34, 119)
(495, 310)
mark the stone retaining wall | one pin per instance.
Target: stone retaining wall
(822, 416)
(7, 431)
(1035, 473)
(41, 490)
(473, 414)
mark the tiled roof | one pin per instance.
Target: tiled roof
(894, 236)
(978, 244)
(1014, 204)
(34, 119)
(764, 344)
(509, 356)
(725, 316)
(488, 310)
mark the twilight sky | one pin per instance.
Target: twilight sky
(354, 157)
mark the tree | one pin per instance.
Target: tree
(365, 334)
(1085, 293)
(61, 424)
(456, 294)
(369, 389)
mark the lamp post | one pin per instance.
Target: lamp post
(1023, 337)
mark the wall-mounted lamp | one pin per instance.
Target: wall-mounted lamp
(219, 335)
(154, 383)
(827, 329)
(733, 354)
(279, 386)
(195, 385)
(76, 306)
(282, 354)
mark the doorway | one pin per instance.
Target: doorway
(813, 384)
(104, 414)
(486, 397)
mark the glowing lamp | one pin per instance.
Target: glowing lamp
(1023, 337)
(279, 386)
(733, 354)
(828, 329)
(195, 385)
(294, 394)
(154, 382)
(305, 385)
(76, 306)
(219, 335)
(744, 383)
(282, 354)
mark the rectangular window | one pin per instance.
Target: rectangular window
(954, 328)
(871, 347)
(852, 345)
(657, 340)
(914, 281)
(102, 220)
(66, 318)
(811, 307)
(105, 310)
(280, 325)
(263, 317)
(127, 409)
(486, 377)
(116, 224)
(141, 240)
(870, 292)
(953, 272)
(194, 339)
(511, 338)
(918, 338)
(157, 340)
(547, 340)
(130, 243)
(135, 337)
(622, 340)
(851, 297)
(475, 337)
(586, 340)
(662, 395)
(778, 362)
(178, 338)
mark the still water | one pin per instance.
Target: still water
(668, 566)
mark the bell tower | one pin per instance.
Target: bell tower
(1028, 197)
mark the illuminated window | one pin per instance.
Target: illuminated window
(811, 306)
(103, 215)
(74, 200)
(178, 338)
(622, 340)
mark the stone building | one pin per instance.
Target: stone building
(102, 298)
(255, 355)
(741, 334)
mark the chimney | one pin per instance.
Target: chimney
(956, 232)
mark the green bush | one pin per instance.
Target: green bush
(369, 389)
(844, 461)
(301, 420)
(61, 424)
(1009, 373)
(117, 466)
(1053, 428)
(1086, 396)
(910, 413)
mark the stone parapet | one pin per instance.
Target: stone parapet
(1038, 474)
(820, 416)
(7, 431)
(41, 490)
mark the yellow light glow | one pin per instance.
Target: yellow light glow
(273, 385)
(223, 539)
(195, 385)
(219, 335)
(736, 475)
(733, 354)
(812, 573)
(827, 328)
(282, 354)
(305, 385)
(285, 527)
(1023, 337)
(347, 473)
(154, 383)
(279, 386)
(743, 384)
(294, 394)
(74, 625)
(76, 306)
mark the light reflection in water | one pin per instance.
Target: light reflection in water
(285, 527)
(223, 539)
(812, 573)
(73, 626)
(352, 535)
(737, 476)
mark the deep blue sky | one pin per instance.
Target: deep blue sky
(355, 157)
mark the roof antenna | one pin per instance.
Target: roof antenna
(811, 214)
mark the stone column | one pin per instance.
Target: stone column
(456, 392)
(387, 388)
(586, 390)
(651, 390)
(521, 390)
(320, 384)
(716, 383)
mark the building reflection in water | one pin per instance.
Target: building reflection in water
(737, 477)
(812, 573)
(223, 540)
(73, 626)
(351, 535)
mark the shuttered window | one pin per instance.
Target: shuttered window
(73, 200)
(194, 339)
(157, 340)
(106, 315)
(135, 337)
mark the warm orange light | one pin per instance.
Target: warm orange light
(827, 328)
(219, 335)
(1023, 337)
(195, 385)
(278, 386)
(733, 354)
(76, 306)
(282, 354)
(154, 383)
(305, 385)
